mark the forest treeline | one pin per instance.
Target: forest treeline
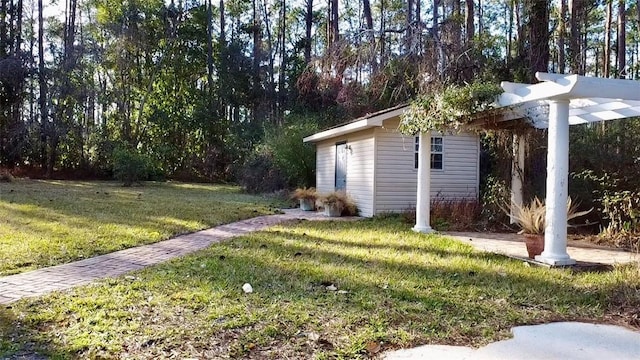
(199, 89)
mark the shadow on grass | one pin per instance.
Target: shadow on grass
(438, 294)
(128, 217)
(20, 342)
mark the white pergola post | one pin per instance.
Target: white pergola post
(517, 167)
(555, 237)
(423, 201)
(572, 100)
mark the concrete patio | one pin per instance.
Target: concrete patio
(512, 245)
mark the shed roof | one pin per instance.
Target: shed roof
(368, 121)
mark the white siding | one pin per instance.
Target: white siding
(360, 168)
(396, 177)
(325, 167)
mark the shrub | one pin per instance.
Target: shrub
(493, 194)
(455, 214)
(5, 176)
(293, 158)
(129, 166)
(622, 208)
(260, 175)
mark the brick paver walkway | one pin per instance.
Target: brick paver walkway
(60, 277)
(42, 281)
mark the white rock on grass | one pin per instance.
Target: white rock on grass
(247, 288)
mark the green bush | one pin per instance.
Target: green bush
(129, 166)
(494, 193)
(622, 208)
(5, 176)
(260, 174)
(293, 158)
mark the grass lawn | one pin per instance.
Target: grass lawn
(395, 289)
(44, 223)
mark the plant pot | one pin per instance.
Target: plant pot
(307, 204)
(332, 210)
(535, 244)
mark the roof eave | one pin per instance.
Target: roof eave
(375, 120)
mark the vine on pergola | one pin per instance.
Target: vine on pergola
(450, 109)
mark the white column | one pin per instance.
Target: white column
(424, 184)
(517, 165)
(555, 237)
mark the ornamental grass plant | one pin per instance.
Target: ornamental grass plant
(531, 218)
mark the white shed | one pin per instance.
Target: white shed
(378, 166)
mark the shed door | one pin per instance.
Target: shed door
(341, 166)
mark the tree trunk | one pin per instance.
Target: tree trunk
(222, 23)
(561, 36)
(271, 92)
(333, 23)
(210, 53)
(4, 37)
(257, 59)
(456, 26)
(469, 20)
(383, 40)
(622, 39)
(575, 61)
(408, 40)
(510, 8)
(538, 36)
(607, 40)
(480, 18)
(368, 19)
(282, 92)
(308, 21)
(42, 84)
(435, 33)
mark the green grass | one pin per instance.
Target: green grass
(399, 289)
(45, 223)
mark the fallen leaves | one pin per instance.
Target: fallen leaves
(373, 347)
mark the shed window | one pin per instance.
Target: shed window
(437, 152)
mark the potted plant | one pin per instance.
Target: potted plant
(337, 203)
(307, 198)
(532, 221)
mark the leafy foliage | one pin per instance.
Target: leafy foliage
(622, 209)
(295, 159)
(494, 193)
(450, 109)
(129, 166)
(260, 173)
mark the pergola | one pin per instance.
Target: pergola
(555, 103)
